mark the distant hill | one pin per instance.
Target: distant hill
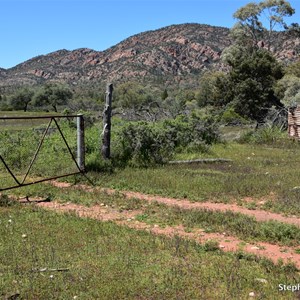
(173, 54)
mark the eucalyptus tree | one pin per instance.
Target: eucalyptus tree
(53, 94)
(253, 69)
(259, 22)
(21, 98)
(212, 88)
(288, 88)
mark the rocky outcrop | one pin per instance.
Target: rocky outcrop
(174, 53)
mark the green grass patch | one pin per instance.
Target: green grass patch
(21, 124)
(79, 196)
(237, 224)
(256, 171)
(104, 261)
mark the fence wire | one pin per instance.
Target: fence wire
(35, 149)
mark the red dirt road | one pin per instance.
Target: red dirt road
(226, 243)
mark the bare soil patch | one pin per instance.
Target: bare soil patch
(103, 213)
(226, 243)
(258, 214)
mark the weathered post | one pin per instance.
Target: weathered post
(80, 142)
(107, 122)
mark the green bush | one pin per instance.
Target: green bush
(191, 131)
(230, 117)
(266, 135)
(144, 144)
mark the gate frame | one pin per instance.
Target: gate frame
(79, 160)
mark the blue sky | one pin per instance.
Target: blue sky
(33, 27)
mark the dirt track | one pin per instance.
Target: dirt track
(226, 243)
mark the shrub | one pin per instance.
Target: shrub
(144, 144)
(230, 117)
(266, 135)
(211, 245)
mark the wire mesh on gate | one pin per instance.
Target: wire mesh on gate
(36, 149)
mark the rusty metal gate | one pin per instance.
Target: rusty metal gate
(35, 149)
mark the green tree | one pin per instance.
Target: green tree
(251, 83)
(21, 98)
(275, 12)
(248, 29)
(132, 95)
(4, 103)
(53, 94)
(251, 18)
(288, 90)
(253, 69)
(293, 69)
(212, 86)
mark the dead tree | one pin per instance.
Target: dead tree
(107, 122)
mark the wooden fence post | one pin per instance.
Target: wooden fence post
(107, 122)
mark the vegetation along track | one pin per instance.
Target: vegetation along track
(223, 241)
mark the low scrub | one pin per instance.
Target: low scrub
(145, 143)
(267, 135)
(230, 117)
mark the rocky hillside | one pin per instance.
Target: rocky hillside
(168, 55)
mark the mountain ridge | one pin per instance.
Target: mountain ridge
(171, 54)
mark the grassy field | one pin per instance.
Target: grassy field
(11, 125)
(20, 139)
(46, 255)
(256, 171)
